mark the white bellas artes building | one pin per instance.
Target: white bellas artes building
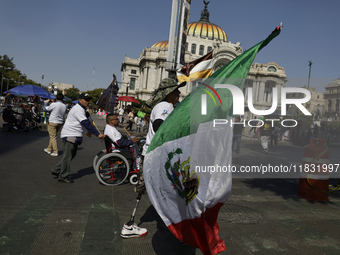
(145, 73)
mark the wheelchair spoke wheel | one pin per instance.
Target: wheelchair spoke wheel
(112, 169)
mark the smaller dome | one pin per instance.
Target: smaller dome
(162, 44)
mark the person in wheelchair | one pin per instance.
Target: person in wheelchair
(27, 112)
(9, 117)
(120, 144)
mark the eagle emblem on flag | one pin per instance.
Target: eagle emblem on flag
(183, 180)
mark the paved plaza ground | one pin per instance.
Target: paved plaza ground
(39, 215)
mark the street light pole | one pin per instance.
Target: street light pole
(19, 79)
(127, 87)
(2, 76)
(127, 91)
(310, 68)
(8, 79)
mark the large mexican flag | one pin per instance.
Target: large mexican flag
(186, 165)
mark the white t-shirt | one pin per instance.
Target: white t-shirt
(121, 111)
(160, 111)
(57, 112)
(112, 132)
(72, 126)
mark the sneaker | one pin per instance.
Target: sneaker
(133, 231)
(15, 127)
(54, 154)
(47, 151)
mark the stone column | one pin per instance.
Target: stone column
(146, 77)
(261, 85)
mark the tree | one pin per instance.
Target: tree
(7, 62)
(95, 94)
(72, 93)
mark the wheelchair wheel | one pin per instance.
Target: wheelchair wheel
(134, 179)
(5, 127)
(112, 169)
(34, 124)
(97, 157)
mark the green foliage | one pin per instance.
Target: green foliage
(138, 107)
(309, 119)
(95, 94)
(333, 124)
(7, 62)
(9, 72)
(72, 93)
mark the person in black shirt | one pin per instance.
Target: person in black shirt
(7, 99)
(8, 116)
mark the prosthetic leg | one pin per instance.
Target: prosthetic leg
(131, 229)
(132, 219)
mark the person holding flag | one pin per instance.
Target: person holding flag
(162, 101)
(186, 196)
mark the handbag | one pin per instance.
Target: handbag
(140, 114)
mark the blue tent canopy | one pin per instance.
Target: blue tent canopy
(30, 90)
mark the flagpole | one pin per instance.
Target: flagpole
(170, 61)
(94, 69)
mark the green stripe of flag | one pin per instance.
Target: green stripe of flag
(186, 118)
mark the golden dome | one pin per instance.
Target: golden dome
(202, 28)
(205, 29)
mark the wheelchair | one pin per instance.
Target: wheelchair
(113, 168)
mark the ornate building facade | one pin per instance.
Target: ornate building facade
(332, 100)
(144, 74)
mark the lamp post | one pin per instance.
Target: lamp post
(19, 78)
(8, 79)
(127, 91)
(2, 76)
(127, 88)
(42, 79)
(310, 68)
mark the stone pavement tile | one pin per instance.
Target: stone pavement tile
(24, 226)
(102, 232)
(62, 233)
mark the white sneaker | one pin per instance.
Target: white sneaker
(133, 231)
(54, 154)
(47, 151)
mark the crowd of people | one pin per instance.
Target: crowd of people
(128, 115)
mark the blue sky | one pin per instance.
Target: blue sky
(65, 40)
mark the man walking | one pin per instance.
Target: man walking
(56, 120)
(162, 101)
(72, 135)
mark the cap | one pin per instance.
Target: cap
(166, 86)
(85, 96)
